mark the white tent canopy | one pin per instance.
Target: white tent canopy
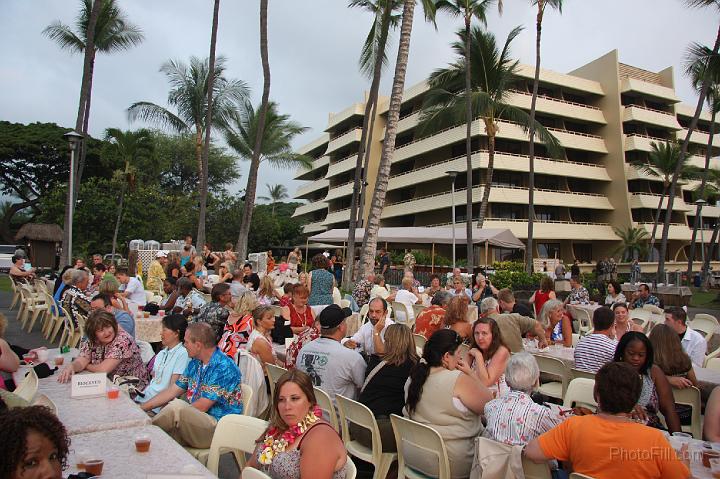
(501, 238)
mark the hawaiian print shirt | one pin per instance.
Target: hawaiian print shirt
(361, 293)
(430, 320)
(639, 303)
(218, 381)
(515, 419)
(580, 295)
(291, 354)
(216, 315)
(75, 302)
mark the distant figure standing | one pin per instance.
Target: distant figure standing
(384, 262)
(635, 271)
(560, 271)
(293, 259)
(612, 270)
(575, 268)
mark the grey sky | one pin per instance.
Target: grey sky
(314, 46)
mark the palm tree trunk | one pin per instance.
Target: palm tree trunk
(491, 130)
(367, 260)
(468, 149)
(681, 162)
(208, 128)
(531, 149)
(355, 208)
(366, 162)
(708, 155)
(85, 126)
(656, 222)
(119, 215)
(66, 255)
(713, 251)
(251, 187)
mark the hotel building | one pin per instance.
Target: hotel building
(605, 114)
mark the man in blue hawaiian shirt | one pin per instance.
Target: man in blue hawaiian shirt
(211, 384)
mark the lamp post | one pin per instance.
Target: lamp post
(700, 203)
(453, 174)
(74, 138)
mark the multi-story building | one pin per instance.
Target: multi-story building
(605, 114)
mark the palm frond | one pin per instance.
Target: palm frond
(152, 113)
(64, 36)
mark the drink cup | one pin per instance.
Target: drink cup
(29, 358)
(59, 360)
(708, 455)
(43, 355)
(140, 307)
(94, 466)
(715, 468)
(113, 392)
(161, 313)
(146, 314)
(142, 443)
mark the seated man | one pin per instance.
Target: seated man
(134, 290)
(597, 349)
(333, 368)
(506, 300)
(512, 325)
(371, 335)
(620, 446)
(237, 287)
(408, 298)
(693, 343)
(250, 279)
(433, 318)
(123, 318)
(211, 384)
(578, 293)
(642, 296)
(189, 299)
(216, 312)
(156, 272)
(74, 299)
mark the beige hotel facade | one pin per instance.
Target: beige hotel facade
(604, 113)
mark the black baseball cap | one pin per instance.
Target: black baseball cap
(332, 316)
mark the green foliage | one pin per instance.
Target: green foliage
(516, 280)
(508, 266)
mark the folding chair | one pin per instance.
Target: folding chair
(28, 387)
(704, 323)
(556, 368)
(359, 414)
(325, 403)
(274, 372)
(402, 315)
(422, 438)
(419, 340)
(690, 397)
(580, 393)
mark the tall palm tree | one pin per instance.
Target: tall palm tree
(634, 243)
(257, 150)
(208, 121)
(367, 259)
(712, 187)
(372, 59)
(468, 9)
(278, 135)
(129, 145)
(697, 69)
(662, 160)
(276, 193)
(693, 124)
(101, 26)
(541, 4)
(493, 75)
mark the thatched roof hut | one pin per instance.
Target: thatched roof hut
(42, 240)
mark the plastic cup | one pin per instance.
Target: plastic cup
(113, 392)
(94, 466)
(29, 358)
(59, 360)
(715, 468)
(140, 307)
(43, 355)
(708, 455)
(142, 443)
(161, 313)
(146, 314)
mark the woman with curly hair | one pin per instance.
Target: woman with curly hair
(35, 445)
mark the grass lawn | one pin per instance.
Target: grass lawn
(704, 299)
(5, 283)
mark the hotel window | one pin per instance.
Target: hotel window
(583, 251)
(548, 250)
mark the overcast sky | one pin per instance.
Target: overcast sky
(314, 46)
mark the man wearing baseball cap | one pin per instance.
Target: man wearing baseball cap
(333, 368)
(156, 273)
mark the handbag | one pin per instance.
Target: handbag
(127, 384)
(372, 374)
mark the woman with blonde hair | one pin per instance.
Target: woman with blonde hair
(110, 288)
(267, 295)
(557, 324)
(298, 443)
(239, 324)
(225, 272)
(456, 317)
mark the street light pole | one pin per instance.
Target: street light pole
(452, 174)
(74, 138)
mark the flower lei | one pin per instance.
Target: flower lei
(276, 442)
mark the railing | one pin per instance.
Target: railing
(524, 220)
(649, 137)
(557, 99)
(649, 109)
(561, 130)
(335, 162)
(352, 130)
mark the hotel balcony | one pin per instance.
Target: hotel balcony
(634, 141)
(340, 191)
(699, 161)
(344, 139)
(651, 117)
(558, 107)
(339, 216)
(311, 187)
(309, 208)
(347, 113)
(316, 227)
(551, 230)
(649, 89)
(678, 231)
(308, 174)
(315, 144)
(699, 137)
(342, 165)
(652, 200)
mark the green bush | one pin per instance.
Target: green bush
(516, 280)
(515, 266)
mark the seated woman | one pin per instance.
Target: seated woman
(456, 317)
(9, 360)
(172, 270)
(225, 272)
(110, 288)
(308, 335)
(384, 389)
(623, 323)
(229, 254)
(557, 323)
(488, 356)
(711, 426)
(542, 295)
(379, 288)
(515, 418)
(239, 324)
(656, 395)
(171, 294)
(188, 271)
(615, 294)
(36, 444)
(445, 394)
(620, 446)
(311, 448)
(267, 295)
(259, 343)
(298, 312)
(210, 259)
(107, 349)
(170, 362)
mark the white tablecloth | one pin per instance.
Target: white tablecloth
(148, 329)
(117, 449)
(566, 355)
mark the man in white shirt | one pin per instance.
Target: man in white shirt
(371, 335)
(406, 297)
(134, 290)
(332, 367)
(595, 350)
(692, 342)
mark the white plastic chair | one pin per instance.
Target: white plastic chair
(418, 308)
(252, 473)
(326, 405)
(421, 437)
(653, 309)
(557, 368)
(402, 315)
(420, 341)
(16, 294)
(253, 375)
(584, 320)
(274, 372)
(690, 397)
(575, 339)
(704, 323)
(576, 373)
(28, 387)
(713, 363)
(580, 393)
(247, 395)
(359, 414)
(710, 356)
(43, 400)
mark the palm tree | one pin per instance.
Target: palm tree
(697, 69)
(693, 124)
(258, 149)
(278, 135)
(276, 193)
(367, 259)
(208, 121)
(712, 187)
(101, 26)
(661, 163)
(634, 243)
(541, 4)
(372, 59)
(129, 145)
(493, 74)
(468, 9)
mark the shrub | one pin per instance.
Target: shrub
(509, 266)
(516, 280)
